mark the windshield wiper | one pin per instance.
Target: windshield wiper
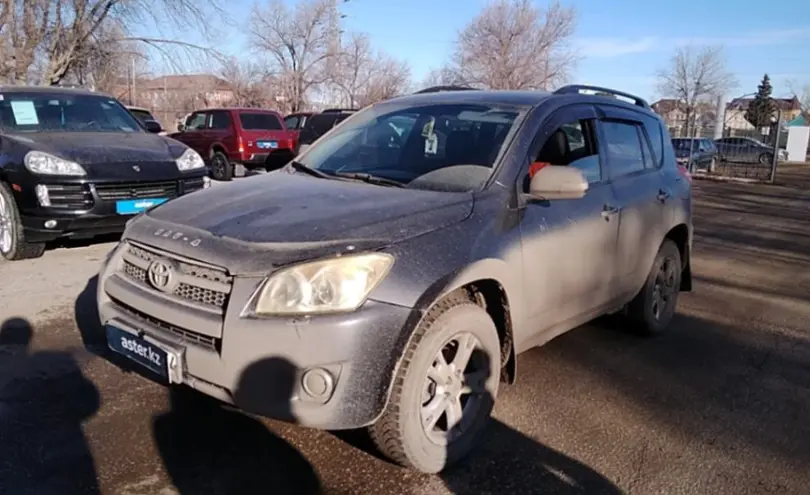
(369, 178)
(300, 167)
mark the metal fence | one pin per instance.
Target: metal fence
(739, 154)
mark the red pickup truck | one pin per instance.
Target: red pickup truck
(252, 137)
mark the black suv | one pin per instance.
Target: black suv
(388, 276)
(319, 124)
(74, 163)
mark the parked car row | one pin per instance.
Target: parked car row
(704, 153)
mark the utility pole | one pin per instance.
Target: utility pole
(720, 116)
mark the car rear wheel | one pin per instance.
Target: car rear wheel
(13, 245)
(444, 390)
(653, 308)
(221, 168)
(764, 159)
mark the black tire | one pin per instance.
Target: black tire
(645, 310)
(765, 159)
(19, 248)
(399, 433)
(221, 167)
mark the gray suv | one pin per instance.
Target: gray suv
(388, 278)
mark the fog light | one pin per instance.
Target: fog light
(206, 182)
(42, 195)
(318, 383)
(49, 224)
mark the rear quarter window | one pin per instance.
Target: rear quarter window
(658, 136)
(260, 122)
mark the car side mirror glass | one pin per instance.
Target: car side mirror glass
(181, 128)
(558, 182)
(153, 126)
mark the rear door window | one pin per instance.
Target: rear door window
(260, 122)
(624, 149)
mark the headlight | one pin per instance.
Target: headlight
(333, 285)
(189, 160)
(45, 164)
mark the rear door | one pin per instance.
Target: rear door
(641, 190)
(262, 132)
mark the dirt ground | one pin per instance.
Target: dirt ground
(719, 405)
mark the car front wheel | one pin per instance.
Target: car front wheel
(444, 390)
(13, 245)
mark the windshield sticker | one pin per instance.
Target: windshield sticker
(427, 129)
(431, 144)
(24, 112)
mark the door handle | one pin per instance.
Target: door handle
(609, 210)
(663, 195)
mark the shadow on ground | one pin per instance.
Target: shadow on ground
(44, 401)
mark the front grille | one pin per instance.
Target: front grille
(70, 196)
(137, 190)
(193, 184)
(208, 342)
(190, 290)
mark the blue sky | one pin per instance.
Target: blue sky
(622, 42)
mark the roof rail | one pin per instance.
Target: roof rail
(338, 110)
(600, 91)
(438, 89)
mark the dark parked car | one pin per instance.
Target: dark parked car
(74, 163)
(319, 124)
(251, 137)
(391, 285)
(144, 115)
(695, 153)
(744, 149)
(296, 121)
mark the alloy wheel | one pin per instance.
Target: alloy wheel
(454, 389)
(219, 166)
(664, 289)
(5, 226)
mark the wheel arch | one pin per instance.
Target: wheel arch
(679, 234)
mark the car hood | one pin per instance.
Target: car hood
(99, 152)
(253, 224)
(89, 148)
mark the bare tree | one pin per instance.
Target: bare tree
(248, 82)
(444, 76)
(695, 75)
(365, 77)
(298, 42)
(61, 31)
(802, 92)
(512, 44)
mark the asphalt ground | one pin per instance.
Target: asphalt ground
(720, 404)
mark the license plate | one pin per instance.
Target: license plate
(135, 206)
(267, 144)
(140, 350)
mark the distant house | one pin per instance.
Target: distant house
(673, 112)
(736, 108)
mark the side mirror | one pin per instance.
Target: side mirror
(558, 182)
(181, 127)
(153, 126)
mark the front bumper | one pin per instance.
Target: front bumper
(328, 372)
(89, 209)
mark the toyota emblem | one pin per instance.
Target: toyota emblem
(160, 275)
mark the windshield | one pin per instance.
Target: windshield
(260, 122)
(40, 112)
(450, 147)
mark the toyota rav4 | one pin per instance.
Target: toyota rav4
(401, 263)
